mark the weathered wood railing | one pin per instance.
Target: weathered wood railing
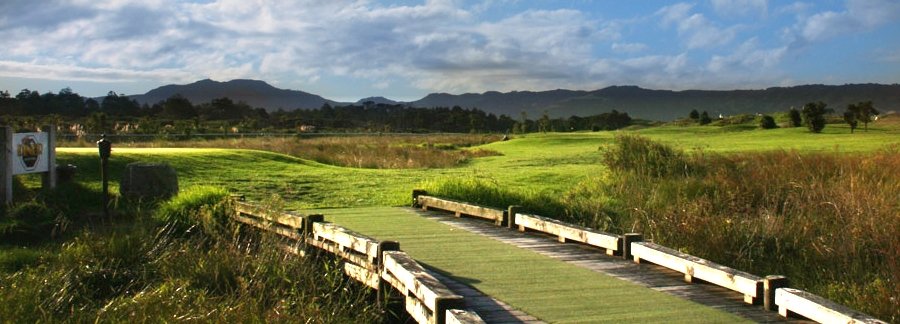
(459, 208)
(798, 302)
(377, 264)
(568, 232)
(770, 291)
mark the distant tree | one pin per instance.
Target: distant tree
(767, 122)
(796, 119)
(695, 115)
(814, 116)
(865, 112)
(704, 118)
(850, 118)
(178, 107)
(523, 124)
(544, 123)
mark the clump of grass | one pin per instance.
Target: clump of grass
(207, 208)
(30, 222)
(643, 156)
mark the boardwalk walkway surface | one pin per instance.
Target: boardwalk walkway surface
(510, 277)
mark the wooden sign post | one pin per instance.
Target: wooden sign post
(24, 153)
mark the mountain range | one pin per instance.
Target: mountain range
(637, 102)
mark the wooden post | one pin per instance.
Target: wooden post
(770, 283)
(502, 220)
(511, 216)
(415, 195)
(6, 170)
(627, 239)
(48, 179)
(307, 224)
(384, 287)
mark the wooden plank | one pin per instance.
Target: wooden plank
(366, 276)
(795, 301)
(570, 232)
(269, 227)
(349, 255)
(346, 238)
(459, 316)
(419, 311)
(693, 267)
(420, 284)
(461, 208)
(281, 218)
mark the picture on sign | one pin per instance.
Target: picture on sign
(30, 153)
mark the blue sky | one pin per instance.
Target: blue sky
(346, 50)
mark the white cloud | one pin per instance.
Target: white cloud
(695, 29)
(741, 7)
(628, 47)
(859, 16)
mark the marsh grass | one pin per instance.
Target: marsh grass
(370, 151)
(828, 221)
(150, 271)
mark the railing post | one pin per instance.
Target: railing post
(415, 196)
(384, 287)
(770, 283)
(48, 179)
(627, 239)
(511, 216)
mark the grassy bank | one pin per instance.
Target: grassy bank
(181, 264)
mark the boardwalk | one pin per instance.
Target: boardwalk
(529, 277)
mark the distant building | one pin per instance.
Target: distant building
(307, 129)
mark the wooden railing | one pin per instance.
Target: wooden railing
(770, 291)
(378, 264)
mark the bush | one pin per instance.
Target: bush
(767, 122)
(205, 207)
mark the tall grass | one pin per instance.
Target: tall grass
(828, 221)
(144, 270)
(372, 151)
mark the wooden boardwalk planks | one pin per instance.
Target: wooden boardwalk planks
(650, 275)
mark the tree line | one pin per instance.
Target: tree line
(116, 113)
(812, 115)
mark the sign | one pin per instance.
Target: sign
(31, 153)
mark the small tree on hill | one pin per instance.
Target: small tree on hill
(864, 113)
(850, 118)
(704, 118)
(796, 119)
(767, 122)
(814, 116)
(694, 115)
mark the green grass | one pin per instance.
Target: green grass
(553, 291)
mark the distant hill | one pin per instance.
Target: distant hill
(665, 104)
(637, 102)
(253, 92)
(378, 100)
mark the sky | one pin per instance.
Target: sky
(346, 50)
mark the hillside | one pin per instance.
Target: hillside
(253, 92)
(636, 101)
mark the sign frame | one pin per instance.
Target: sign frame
(23, 153)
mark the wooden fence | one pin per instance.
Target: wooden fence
(771, 291)
(378, 264)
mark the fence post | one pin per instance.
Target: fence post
(627, 239)
(770, 283)
(511, 215)
(48, 179)
(6, 171)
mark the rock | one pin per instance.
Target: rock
(149, 180)
(65, 173)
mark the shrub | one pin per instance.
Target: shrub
(205, 207)
(767, 122)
